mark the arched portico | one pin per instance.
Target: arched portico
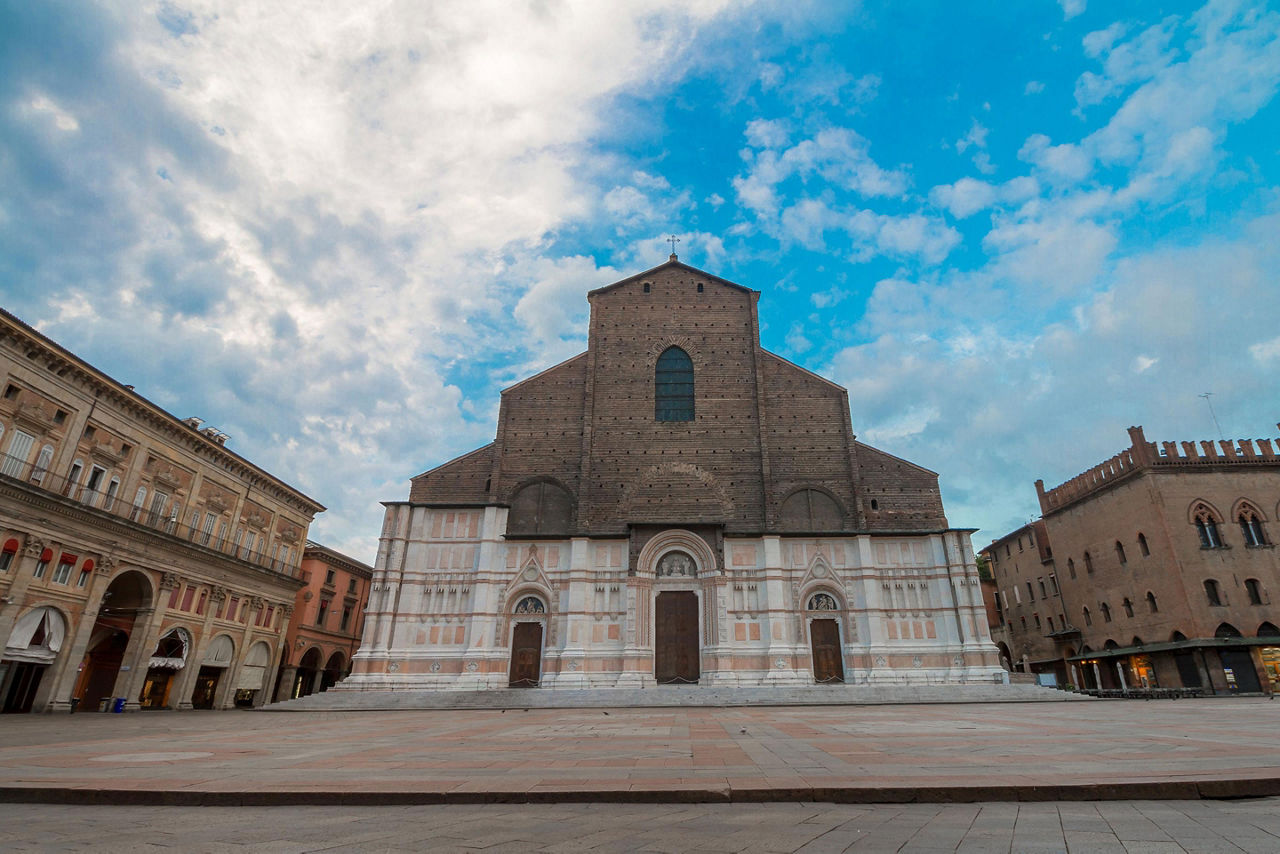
(113, 640)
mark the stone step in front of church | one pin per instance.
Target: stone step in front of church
(670, 695)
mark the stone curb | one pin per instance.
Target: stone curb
(1140, 790)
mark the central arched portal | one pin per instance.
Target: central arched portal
(526, 655)
(675, 637)
(526, 644)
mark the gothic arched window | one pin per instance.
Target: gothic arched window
(673, 386)
(1251, 527)
(1207, 528)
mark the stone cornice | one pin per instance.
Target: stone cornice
(70, 368)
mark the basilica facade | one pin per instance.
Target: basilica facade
(674, 505)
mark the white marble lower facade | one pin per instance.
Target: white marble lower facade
(456, 606)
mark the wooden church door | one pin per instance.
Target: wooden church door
(828, 663)
(526, 655)
(676, 651)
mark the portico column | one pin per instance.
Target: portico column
(136, 655)
(64, 680)
(1120, 673)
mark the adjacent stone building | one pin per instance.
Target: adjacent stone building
(674, 505)
(1162, 563)
(141, 560)
(328, 616)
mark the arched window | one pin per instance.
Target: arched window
(1212, 592)
(673, 386)
(1128, 607)
(811, 510)
(42, 464)
(1207, 528)
(1088, 563)
(1151, 603)
(1251, 527)
(1142, 544)
(1071, 567)
(1120, 553)
(540, 508)
(1106, 612)
(1254, 589)
(1088, 618)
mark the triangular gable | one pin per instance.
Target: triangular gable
(455, 460)
(672, 265)
(864, 447)
(790, 364)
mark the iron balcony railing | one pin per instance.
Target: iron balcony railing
(164, 520)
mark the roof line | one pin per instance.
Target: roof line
(681, 265)
(543, 371)
(129, 392)
(458, 458)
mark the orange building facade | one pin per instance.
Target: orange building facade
(328, 616)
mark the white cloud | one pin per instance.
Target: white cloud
(1059, 164)
(1072, 8)
(967, 196)
(1033, 87)
(1266, 352)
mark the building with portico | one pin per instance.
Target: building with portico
(141, 559)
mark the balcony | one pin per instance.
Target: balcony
(31, 476)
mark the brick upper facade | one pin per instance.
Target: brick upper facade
(763, 427)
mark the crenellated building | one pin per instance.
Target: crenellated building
(1164, 565)
(140, 557)
(674, 505)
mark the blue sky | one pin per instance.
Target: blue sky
(336, 232)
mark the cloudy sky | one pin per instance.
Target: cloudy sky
(336, 231)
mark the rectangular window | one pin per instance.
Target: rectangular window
(204, 595)
(93, 484)
(233, 607)
(351, 585)
(41, 566)
(62, 574)
(346, 616)
(188, 598)
(209, 521)
(328, 577)
(19, 450)
(174, 596)
(1044, 594)
(1031, 593)
(1017, 595)
(1053, 585)
(159, 503)
(322, 612)
(1037, 619)
(1005, 597)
